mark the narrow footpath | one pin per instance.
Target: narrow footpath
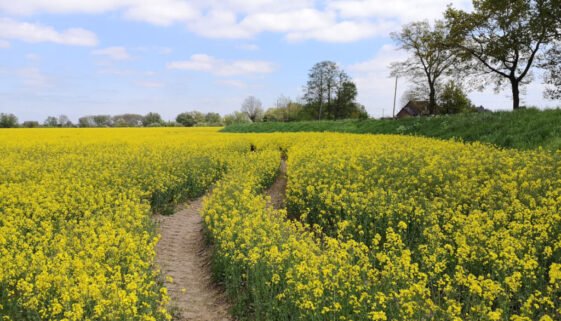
(277, 191)
(183, 255)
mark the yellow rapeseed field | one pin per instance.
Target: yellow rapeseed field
(76, 239)
(376, 227)
(393, 228)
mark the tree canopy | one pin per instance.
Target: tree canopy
(330, 93)
(430, 60)
(505, 39)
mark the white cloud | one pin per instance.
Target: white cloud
(220, 24)
(375, 87)
(232, 83)
(28, 7)
(34, 33)
(402, 10)
(33, 57)
(162, 13)
(303, 19)
(347, 31)
(248, 47)
(150, 84)
(328, 20)
(115, 53)
(218, 67)
(4, 44)
(33, 77)
(164, 50)
(120, 72)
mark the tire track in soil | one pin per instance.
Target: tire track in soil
(183, 254)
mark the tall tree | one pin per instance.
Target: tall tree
(252, 108)
(8, 121)
(431, 58)
(64, 121)
(552, 66)
(186, 119)
(127, 120)
(506, 39)
(152, 119)
(102, 120)
(329, 91)
(316, 90)
(86, 121)
(51, 121)
(345, 100)
(213, 118)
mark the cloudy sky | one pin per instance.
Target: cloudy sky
(115, 56)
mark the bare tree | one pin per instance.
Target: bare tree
(64, 121)
(252, 108)
(282, 105)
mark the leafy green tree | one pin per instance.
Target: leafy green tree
(31, 124)
(274, 115)
(552, 66)
(329, 92)
(86, 121)
(213, 118)
(51, 121)
(127, 120)
(453, 100)
(152, 120)
(8, 121)
(505, 39)
(294, 111)
(321, 86)
(186, 119)
(102, 120)
(431, 58)
(345, 105)
(236, 118)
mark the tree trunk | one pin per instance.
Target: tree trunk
(515, 94)
(432, 100)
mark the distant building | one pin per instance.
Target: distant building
(413, 108)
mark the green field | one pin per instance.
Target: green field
(524, 129)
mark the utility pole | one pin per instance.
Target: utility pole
(394, 97)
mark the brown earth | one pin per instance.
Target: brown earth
(277, 191)
(183, 255)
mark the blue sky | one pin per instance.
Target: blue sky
(169, 56)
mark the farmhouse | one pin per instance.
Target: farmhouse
(414, 108)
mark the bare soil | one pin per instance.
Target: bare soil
(277, 191)
(183, 255)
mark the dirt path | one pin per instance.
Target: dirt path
(277, 191)
(183, 255)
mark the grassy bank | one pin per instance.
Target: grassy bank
(524, 129)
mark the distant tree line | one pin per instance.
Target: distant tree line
(329, 94)
(498, 43)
